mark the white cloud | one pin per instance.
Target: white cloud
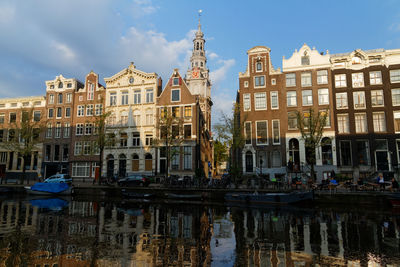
(64, 50)
(143, 7)
(212, 55)
(220, 74)
(222, 104)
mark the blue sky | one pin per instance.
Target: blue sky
(44, 38)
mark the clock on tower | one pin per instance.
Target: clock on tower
(195, 74)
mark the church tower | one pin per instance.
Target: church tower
(197, 76)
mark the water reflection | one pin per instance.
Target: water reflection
(155, 234)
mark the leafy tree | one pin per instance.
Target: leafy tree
(220, 153)
(23, 136)
(170, 129)
(311, 126)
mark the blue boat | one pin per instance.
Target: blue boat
(49, 189)
(55, 204)
(269, 198)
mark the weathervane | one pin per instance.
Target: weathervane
(200, 11)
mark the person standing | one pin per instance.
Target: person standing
(395, 185)
(381, 182)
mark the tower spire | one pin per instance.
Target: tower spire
(199, 26)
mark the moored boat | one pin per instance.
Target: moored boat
(184, 196)
(269, 198)
(130, 194)
(49, 189)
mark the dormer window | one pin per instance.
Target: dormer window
(69, 85)
(356, 60)
(176, 80)
(60, 85)
(258, 66)
(305, 59)
(52, 86)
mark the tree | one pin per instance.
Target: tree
(230, 131)
(170, 128)
(220, 153)
(24, 136)
(311, 125)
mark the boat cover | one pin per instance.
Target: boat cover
(49, 203)
(50, 187)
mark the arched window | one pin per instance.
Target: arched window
(122, 165)
(124, 118)
(135, 162)
(110, 165)
(136, 118)
(197, 46)
(60, 85)
(149, 116)
(148, 162)
(326, 151)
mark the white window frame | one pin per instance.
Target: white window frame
(67, 130)
(98, 109)
(79, 129)
(295, 98)
(395, 92)
(359, 96)
(246, 84)
(341, 100)
(279, 132)
(69, 98)
(396, 115)
(306, 79)
(375, 77)
(124, 98)
(78, 148)
(274, 94)
(137, 97)
(323, 92)
(322, 77)
(251, 133)
(358, 124)
(57, 132)
(56, 110)
(259, 77)
(113, 98)
(90, 92)
(343, 129)
(288, 77)
(246, 102)
(382, 123)
(66, 113)
(394, 76)
(357, 80)
(376, 96)
(51, 99)
(307, 97)
(263, 100)
(340, 80)
(266, 125)
(259, 63)
(80, 111)
(89, 110)
(149, 95)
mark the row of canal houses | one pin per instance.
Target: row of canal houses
(360, 93)
(135, 100)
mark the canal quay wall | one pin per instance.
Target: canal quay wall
(104, 192)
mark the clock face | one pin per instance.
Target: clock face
(195, 74)
(131, 80)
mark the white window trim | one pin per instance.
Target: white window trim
(179, 95)
(77, 111)
(246, 84)
(294, 85)
(246, 110)
(277, 99)
(319, 90)
(251, 134)
(254, 82)
(352, 79)
(375, 78)
(366, 122)
(391, 92)
(287, 104)
(348, 122)
(323, 75)
(302, 98)
(383, 98)
(191, 129)
(347, 97)
(58, 117)
(266, 143)
(354, 102)
(394, 120)
(279, 129)
(65, 112)
(390, 76)
(301, 79)
(345, 80)
(262, 67)
(254, 95)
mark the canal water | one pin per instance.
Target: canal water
(65, 232)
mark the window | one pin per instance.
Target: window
(326, 149)
(78, 148)
(13, 117)
(273, 81)
(175, 158)
(69, 98)
(51, 113)
(307, 97)
(175, 112)
(187, 158)
(90, 93)
(136, 118)
(149, 139)
(81, 98)
(60, 85)
(345, 153)
(136, 139)
(149, 95)
(56, 152)
(377, 98)
(124, 118)
(79, 129)
(60, 98)
(395, 76)
(340, 80)
(258, 66)
(246, 102)
(325, 112)
(124, 98)
(343, 123)
(290, 79)
(396, 97)
(81, 111)
(123, 141)
(2, 116)
(363, 152)
(58, 130)
(175, 81)
(262, 133)
(305, 60)
(51, 99)
(359, 100)
(49, 131)
(274, 100)
(36, 116)
(59, 113)
(48, 152)
(396, 116)
(187, 131)
(259, 81)
(149, 117)
(306, 79)
(67, 129)
(113, 99)
(176, 95)
(260, 101)
(322, 77)
(81, 169)
(246, 84)
(361, 122)
(379, 121)
(357, 79)
(99, 109)
(276, 138)
(175, 131)
(341, 101)
(247, 132)
(375, 77)
(291, 98)
(188, 111)
(1, 140)
(323, 97)
(67, 112)
(88, 128)
(89, 110)
(276, 159)
(292, 121)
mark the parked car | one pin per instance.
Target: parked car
(59, 178)
(134, 180)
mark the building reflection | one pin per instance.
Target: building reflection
(141, 234)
